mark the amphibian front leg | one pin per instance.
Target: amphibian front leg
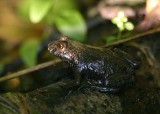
(77, 77)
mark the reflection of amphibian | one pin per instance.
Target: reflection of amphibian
(103, 69)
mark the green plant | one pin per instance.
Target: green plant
(29, 52)
(63, 14)
(121, 21)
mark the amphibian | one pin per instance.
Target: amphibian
(104, 69)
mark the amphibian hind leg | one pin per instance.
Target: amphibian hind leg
(116, 82)
(119, 81)
(127, 57)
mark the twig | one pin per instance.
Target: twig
(133, 38)
(29, 70)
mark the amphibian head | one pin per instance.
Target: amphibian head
(64, 48)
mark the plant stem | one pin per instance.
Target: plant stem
(119, 35)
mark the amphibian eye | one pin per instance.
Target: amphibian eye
(62, 45)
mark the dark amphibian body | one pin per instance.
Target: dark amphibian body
(106, 70)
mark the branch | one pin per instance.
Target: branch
(133, 37)
(29, 70)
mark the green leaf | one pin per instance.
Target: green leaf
(111, 39)
(124, 19)
(71, 23)
(38, 9)
(23, 8)
(115, 20)
(120, 26)
(120, 14)
(129, 26)
(57, 8)
(29, 51)
(63, 5)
